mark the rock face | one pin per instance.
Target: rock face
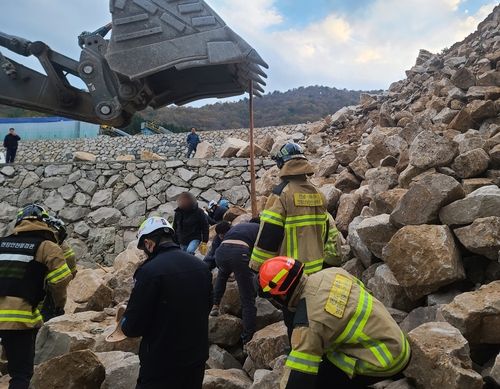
(376, 232)
(429, 150)
(422, 203)
(482, 237)
(78, 370)
(81, 156)
(267, 345)
(477, 314)
(227, 379)
(483, 202)
(386, 288)
(205, 150)
(424, 258)
(440, 358)
(231, 147)
(471, 163)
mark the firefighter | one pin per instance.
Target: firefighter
(333, 246)
(343, 337)
(295, 220)
(49, 309)
(30, 258)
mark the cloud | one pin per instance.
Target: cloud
(368, 47)
(360, 53)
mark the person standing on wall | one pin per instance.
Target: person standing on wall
(192, 141)
(190, 225)
(10, 143)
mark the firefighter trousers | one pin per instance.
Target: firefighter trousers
(19, 348)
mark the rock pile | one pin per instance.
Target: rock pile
(412, 177)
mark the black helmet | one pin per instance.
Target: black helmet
(288, 152)
(32, 212)
(59, 226)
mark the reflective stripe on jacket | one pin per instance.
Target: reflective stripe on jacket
(294, 224)
(338, 319)
(18, 313)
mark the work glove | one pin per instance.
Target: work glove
(203, 248)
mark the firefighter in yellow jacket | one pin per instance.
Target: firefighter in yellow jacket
(30, 258)
(343, 337)
(48, 308)
(295, 221)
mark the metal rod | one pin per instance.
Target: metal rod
(253, 192)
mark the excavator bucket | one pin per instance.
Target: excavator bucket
(182, 50)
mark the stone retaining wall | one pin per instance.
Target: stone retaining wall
(104, 203)
(105, 148)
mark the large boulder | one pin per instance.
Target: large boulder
(226, 379)
(350, 206)
(267, 313)
(327, 166)
(484, 202)
(231, 147)
(429, 150)
(463, 78)
(84, 285)
(267, 344)
(477, 314)
(245, 151)
(387, 289)
(482, 237)
(358, 247)
(332, 195)
(423, 259)
(441, 358)
(422, 203)
(376, 232)
(471, 163)
(386, 202)
(68, 333)
(205, 150)
(82, 156)
(77, 370)
(269, 180)
(122, 369)
(150, 156)
(225, 330)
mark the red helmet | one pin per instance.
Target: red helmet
(277, 275)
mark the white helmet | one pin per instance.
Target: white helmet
(212, 203)
(153, 224)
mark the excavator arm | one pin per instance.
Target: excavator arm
(160, 52)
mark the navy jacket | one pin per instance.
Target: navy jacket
(191, 225)
(169, 308)
(193, 139)
(10, 141)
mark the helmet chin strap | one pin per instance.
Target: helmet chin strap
(154, 253)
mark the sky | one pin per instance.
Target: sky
(353, 44)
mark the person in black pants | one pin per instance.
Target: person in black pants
(10, 143)
(233, 256)
(221, 230)
(169, 308)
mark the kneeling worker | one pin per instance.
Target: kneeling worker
(343, 337)
(169, 307)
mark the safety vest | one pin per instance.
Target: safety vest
(20, 274)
